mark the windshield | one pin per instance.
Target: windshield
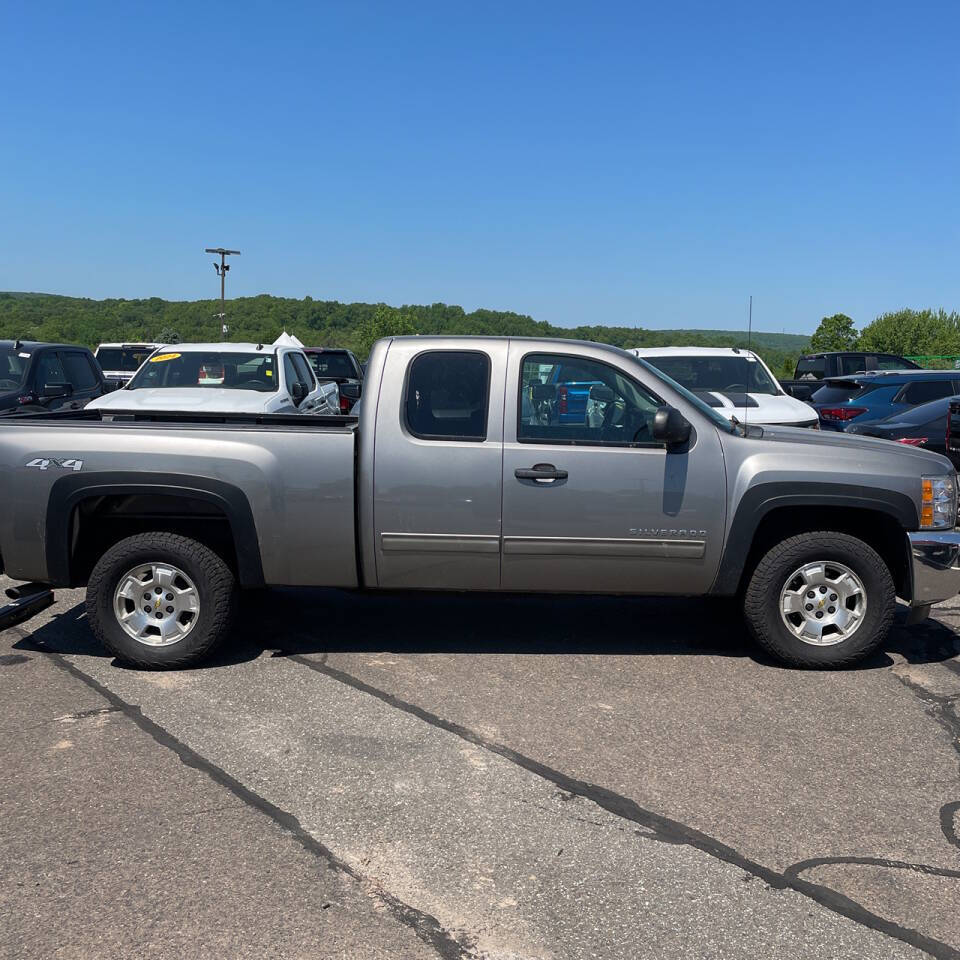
(13, 368)
(333, 366)
(724, 374)
(717, 419)
(196, 368)
(124, 359)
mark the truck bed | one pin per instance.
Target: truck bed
(285, 483)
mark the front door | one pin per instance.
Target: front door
(591, 503)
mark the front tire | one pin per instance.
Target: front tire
(821, 600)
(160, 601)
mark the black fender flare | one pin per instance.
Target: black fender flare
(67, 492)
(764, 498)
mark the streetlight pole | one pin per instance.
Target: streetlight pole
(222, 267)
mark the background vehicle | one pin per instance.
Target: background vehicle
(736, 382)
(922, 426)
(869, 397)
(162, 516)
(225, 378)
(822, 366)
(335, 365)
(120, 361)
(37, 377)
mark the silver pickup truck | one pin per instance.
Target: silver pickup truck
(479, 464)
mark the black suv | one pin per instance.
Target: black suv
(36, 377)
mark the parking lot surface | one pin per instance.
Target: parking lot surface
(478, 776)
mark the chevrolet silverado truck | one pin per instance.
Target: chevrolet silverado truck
(457, 474)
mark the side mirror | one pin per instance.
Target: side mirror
(602, 393)
(351, 390)
(298, 391)
(671, 427)
(57, 390)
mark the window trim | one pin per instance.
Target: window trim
(405, 420)
(627, 444)
(63, 354)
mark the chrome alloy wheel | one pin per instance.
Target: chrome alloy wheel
(823, 603)
(156, 603)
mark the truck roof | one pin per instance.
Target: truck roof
(129, 345)
(224, 347)
(691, 351)
(31, 345)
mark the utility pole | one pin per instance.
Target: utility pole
(222, 267)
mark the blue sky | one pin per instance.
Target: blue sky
(638, 164)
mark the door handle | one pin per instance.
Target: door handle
(541, 472)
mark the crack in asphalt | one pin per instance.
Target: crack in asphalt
(661, 827)
(426, 927)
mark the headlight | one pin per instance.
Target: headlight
(938, 503)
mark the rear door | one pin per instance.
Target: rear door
(437, 463)
(595, 505)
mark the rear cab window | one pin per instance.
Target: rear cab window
(447, 395)
(811, 368)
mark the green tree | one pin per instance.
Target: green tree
(168, 335)
(383, 322)
(834, 333)
(912, 333)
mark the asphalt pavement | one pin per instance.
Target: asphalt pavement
(478, 776)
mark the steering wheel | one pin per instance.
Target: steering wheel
(735, 388)
(256, 384)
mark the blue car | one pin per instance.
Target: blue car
(572, 392)
(868, 397)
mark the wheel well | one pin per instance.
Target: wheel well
(880, 530)
(98, 522)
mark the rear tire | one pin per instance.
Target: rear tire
(192, 596)
(788, 600)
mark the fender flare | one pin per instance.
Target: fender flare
(764, 498)
(67, 492)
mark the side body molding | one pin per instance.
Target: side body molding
(69, 491)
(762, 499)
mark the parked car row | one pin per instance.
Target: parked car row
(196, 377)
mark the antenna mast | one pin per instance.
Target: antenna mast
(746, 395)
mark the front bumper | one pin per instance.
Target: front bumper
(934, 566)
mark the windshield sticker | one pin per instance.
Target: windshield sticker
(164, 356)
(269, 373)
(25, 356)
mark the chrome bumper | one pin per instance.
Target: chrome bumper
(934, 566)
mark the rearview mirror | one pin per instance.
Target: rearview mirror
(602, 394)
(543, 391)
(350, 390)
(57, 390)
(670, 426)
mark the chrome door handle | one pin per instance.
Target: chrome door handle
(541, 472)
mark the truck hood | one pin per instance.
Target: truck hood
(763, 408)
(924, 458)
(184, 400)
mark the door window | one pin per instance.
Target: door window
(447, 394)
(49, 371)
(304, 371)
(290, 372)
(923, 391)
(79, 372)
(582, 401)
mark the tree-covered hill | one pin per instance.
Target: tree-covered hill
(41, 316)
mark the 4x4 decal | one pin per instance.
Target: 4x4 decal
(43, 463)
